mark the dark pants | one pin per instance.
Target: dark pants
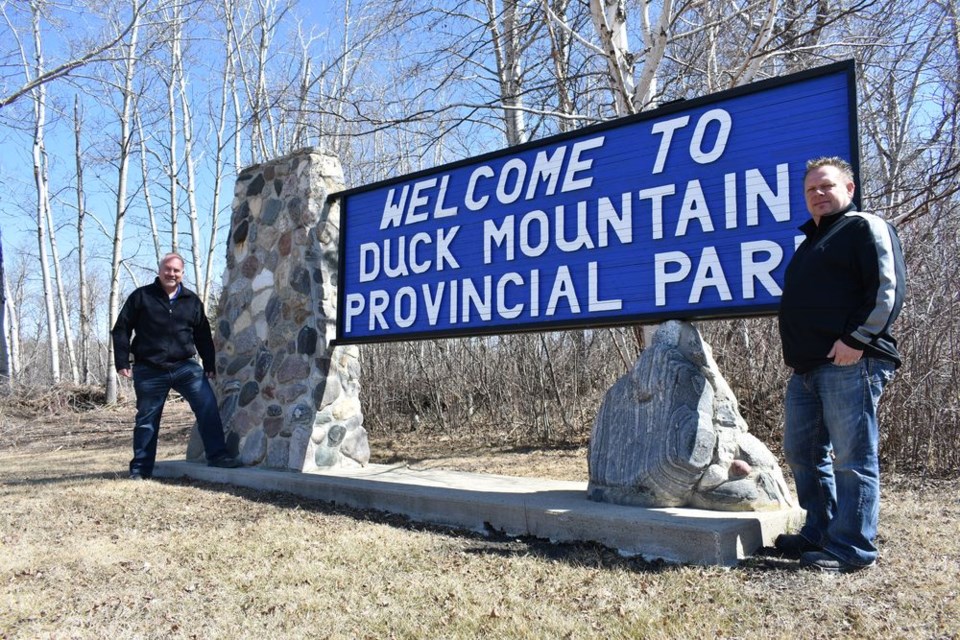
(152, 387)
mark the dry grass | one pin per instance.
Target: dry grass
(85, 553)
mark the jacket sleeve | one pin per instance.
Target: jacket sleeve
(123, 329)
(881, 264)
(203, 339)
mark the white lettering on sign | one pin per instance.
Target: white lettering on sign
(695, 207)
(507, 296)
(697, 152)
(758, 260)
(682, 214)
(471, 200)
(418, 202)
(394, 258)
(667, 128)
(538, 229)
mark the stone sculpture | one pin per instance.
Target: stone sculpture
(670, 434)
(288, 399)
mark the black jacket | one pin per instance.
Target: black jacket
(166, 331)
(847, 280)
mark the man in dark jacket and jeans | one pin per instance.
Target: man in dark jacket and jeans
(842, 291)
(170, 327)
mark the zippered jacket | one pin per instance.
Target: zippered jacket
(847, 280)
(165, 332)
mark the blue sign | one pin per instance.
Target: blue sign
(689, 211)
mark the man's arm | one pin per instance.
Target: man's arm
(203, 340)
(880, 259)
(122, 329)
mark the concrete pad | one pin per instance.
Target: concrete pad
(553, 509)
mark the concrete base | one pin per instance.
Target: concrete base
(551, 509)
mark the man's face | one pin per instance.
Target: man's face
(827, 191)
(171, 274)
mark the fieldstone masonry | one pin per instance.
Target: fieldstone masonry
(288, 400)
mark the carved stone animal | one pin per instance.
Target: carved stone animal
(670, 434)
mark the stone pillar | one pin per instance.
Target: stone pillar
(288, 399)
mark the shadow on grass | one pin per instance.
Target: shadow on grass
(63, 478)
(489, 542)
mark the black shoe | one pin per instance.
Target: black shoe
(136, 476)
(793, 545)
(823, 561)
(225, 462)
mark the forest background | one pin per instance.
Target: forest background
(123, 124)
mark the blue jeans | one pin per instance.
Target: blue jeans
(834, 408)
(152, 387)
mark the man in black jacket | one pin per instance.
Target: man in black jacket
(842, 291)
(170, 327)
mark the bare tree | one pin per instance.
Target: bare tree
(40, 176)
(189, 160)
(11, 324)
(632, 94)
(100, 52)
(142, 137)
(127, 98)
(168, 74)
(5, 377)
(82, 288)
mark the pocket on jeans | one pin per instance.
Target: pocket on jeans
(881, 370)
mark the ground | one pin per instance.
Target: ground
(86, 553)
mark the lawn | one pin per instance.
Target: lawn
(86, 553)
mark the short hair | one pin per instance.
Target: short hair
(830, 161)
(163, 260)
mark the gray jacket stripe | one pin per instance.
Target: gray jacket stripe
(887, 272)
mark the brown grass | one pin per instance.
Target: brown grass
(84, 553)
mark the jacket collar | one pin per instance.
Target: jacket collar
(811, 228)
(184, 292)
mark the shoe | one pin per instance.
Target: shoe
(823, 561)
(225, 462)
(136, 476)
(793, 545)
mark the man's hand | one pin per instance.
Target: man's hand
(126, 373)
(844, 356)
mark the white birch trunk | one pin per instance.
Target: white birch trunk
(5, 378)
(172, 158)
(83, 347)
(657, 36)
(507, 52)
(13, 324)
(610, 21)
(147, 198)
(64, 317)
(193, 214)
(39, 175)
(559, 48)
(130, 55)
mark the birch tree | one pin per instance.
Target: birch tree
(83, 301)
(146, 180)
(224, 133)
(5, 378)
(11, 325)
(631, 93)
(124, 116)
(189, 161)
(510, 34)
(171, 15)
(40, 175)
(104, 50)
